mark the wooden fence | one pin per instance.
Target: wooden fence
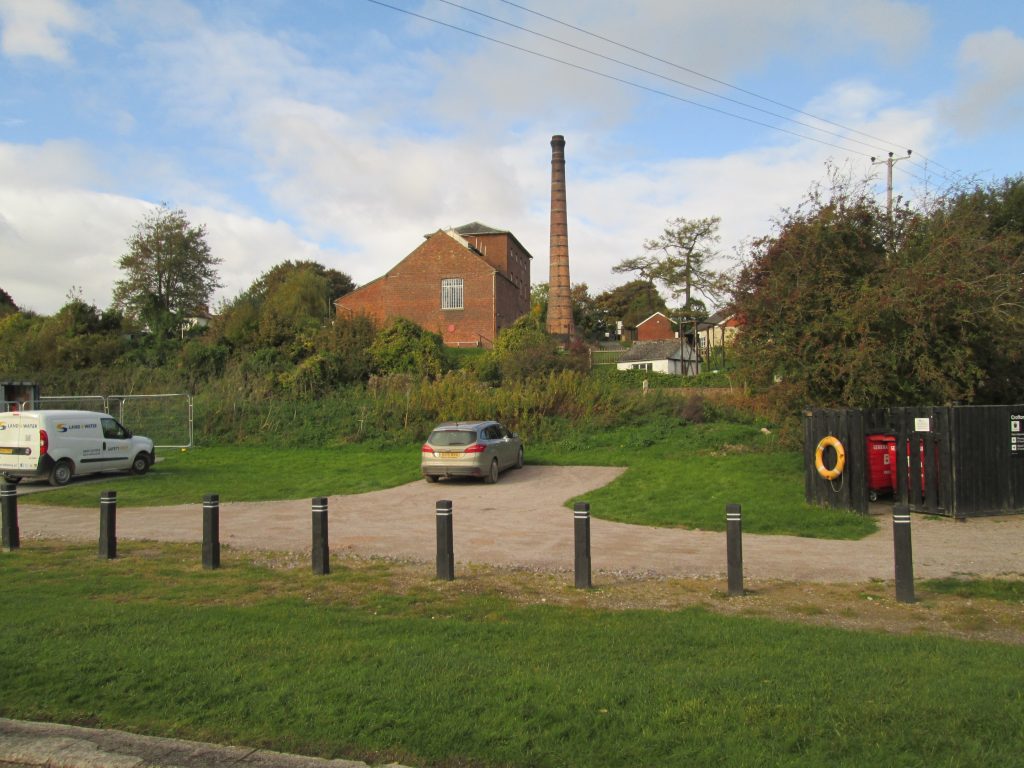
(958, 461)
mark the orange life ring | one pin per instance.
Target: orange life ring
(819, 464)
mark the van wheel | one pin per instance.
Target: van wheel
(492, 475)
(61, 473)
(140, 465)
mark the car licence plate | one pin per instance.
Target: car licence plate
(450, 455)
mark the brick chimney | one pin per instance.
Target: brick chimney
(559, 303)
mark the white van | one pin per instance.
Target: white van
(58, 445)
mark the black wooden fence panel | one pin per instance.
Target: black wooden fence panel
(989, 474)
(849, 491)
(955, 461)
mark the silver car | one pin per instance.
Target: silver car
(470, 449)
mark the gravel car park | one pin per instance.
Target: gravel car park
(470, 449)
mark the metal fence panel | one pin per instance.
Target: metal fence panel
(165, 418)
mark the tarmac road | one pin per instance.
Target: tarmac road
(522, 521)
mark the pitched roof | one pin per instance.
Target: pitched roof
(670, 320)
(720, 316)
(644, 351)
(476, 228)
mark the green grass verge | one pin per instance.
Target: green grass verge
(989, 589)
(684, 475)
(347, 666)
(247, 473)
(679, 475)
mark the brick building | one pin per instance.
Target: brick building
(657, 327)
(466, 284)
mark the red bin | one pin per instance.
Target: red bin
(881, 461)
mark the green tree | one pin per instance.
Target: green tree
(284, 307)
(591, 321)
(404, 347)
(169, 272)
(539, 301)
(838, 318)
(7, 305)
(293, 308)
(632, 302)
(335, 283)
(680, 259)
(525, 349)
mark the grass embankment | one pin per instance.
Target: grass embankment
(436, 674)
(679, 475)
(685, 475)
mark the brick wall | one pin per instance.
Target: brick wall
(655, 328)
(412, 289)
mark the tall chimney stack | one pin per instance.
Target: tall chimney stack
(559, 302)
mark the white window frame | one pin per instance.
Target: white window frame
(452, 293)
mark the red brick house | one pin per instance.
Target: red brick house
(657, 327)
(466, 284)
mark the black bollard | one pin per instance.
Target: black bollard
(108, 524)
(581, 529)
(904, 554)
(734, 548)
(211, 531)
(445, 541)
(9, 503)
(321, 545)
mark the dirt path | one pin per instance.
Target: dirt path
(521, 521)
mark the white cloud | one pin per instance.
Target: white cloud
(57, 234)
(990, 95)
(40, 27)
(727, 40)
(369, 160)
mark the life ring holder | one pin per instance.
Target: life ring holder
(819, 463)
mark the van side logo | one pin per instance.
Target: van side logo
(62, 427)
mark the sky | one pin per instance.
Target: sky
(343, 131)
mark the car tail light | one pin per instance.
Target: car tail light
(44, 442)
(426, 448)
(475, 448)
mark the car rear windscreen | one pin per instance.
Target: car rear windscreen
(444, 437)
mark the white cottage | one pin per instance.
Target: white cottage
(669, 356)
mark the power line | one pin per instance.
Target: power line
(705, 91)
(619, 79)
(699, 74)
(950, 174)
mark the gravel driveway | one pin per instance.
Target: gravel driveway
(522, 521)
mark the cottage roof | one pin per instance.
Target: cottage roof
(656, 314)
(720, 316)
(645, 351)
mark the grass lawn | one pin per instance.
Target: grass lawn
(434, 673)
(684, 475)
(248, 473)
(679, 475)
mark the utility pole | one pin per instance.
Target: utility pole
(889, 163)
